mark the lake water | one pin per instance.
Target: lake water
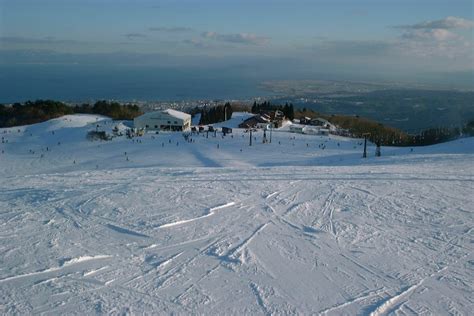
(82, 83)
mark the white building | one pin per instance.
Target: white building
(295, 128)
(324, 124)
(168, 120)
(308, 129)
(311, 130)
(263, 125)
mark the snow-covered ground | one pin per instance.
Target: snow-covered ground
(215, 226)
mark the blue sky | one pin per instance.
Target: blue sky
(352, 36)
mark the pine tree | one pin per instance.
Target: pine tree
(291, 112)
(286, 111)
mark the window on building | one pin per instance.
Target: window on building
(156, 126)
(169, 122)
(147, 126)
(176, 122)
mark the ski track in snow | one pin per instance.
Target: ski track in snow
(67, 263)
(352, 301)
(211, 212)
(389, 303)
(278, 228)
(233, 253)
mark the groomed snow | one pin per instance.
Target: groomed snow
(219, 227)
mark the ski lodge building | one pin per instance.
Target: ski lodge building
(167, 120)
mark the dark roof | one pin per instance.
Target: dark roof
(252, 121)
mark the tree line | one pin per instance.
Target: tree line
(31, 112)
(113, 110)
(216, 114)
(287, 109)
(390, 136)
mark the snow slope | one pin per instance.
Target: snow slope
(286, 227)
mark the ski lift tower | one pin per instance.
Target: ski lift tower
(378, 152)
(225, 111)
(364, 155)
(271, 129)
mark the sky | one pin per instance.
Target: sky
(388, 39)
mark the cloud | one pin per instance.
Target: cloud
(196, 43)
(177, 29)
(238, 38)
(132, 36)
(427, 46)
(450, 22)
(439, 38)
(430, 35)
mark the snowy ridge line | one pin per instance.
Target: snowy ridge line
(83, 259)
(169, 260)
(221, 206)
(355, 300)
(108, 282)
(126, 231)
(30, 274)
(385, 307)
(210, 213)
(272, 195)
(150, 246)
(95, 271)
(64, 265)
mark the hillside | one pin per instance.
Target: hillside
(410, 110)
(299, 225)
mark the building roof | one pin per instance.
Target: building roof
(252, 121)
(177, 114)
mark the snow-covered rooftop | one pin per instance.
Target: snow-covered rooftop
(178, 114)
(173, 113)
